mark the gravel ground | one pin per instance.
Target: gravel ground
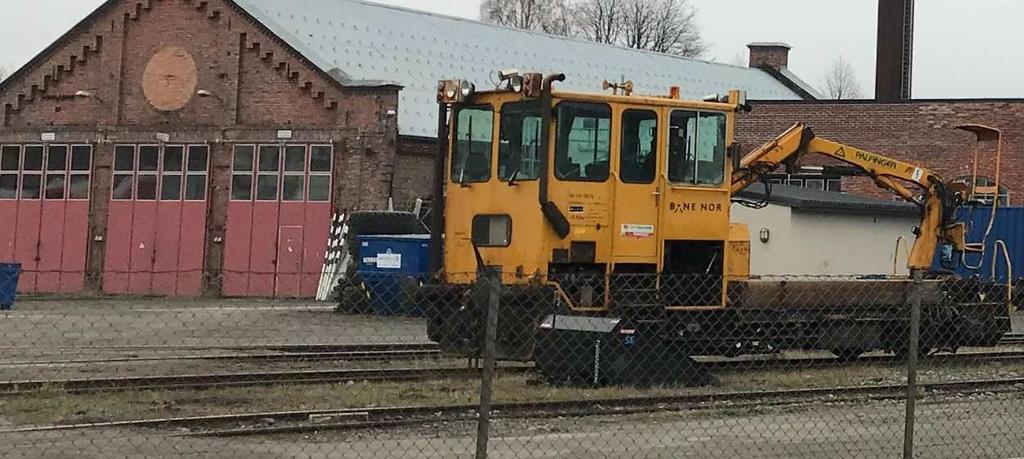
(67, 328)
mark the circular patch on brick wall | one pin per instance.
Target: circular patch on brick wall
(170, 79)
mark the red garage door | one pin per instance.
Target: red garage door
(156, 234)
(278, 220)
(44, 214)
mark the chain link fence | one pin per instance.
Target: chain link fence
(499, 365)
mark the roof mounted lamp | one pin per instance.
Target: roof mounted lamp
(454, 91)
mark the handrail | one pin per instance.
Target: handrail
(1001, 245)
(896, 254)
(984, 133)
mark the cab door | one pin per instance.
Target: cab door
(637, 194)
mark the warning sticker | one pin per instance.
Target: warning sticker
(638, 231)
(389, 260)
(918, 173)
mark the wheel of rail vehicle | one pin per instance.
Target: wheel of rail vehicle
(902, 353)
(847, 355)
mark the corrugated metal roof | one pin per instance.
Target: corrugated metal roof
(810, 200)
(368, 41)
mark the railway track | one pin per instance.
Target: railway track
(772, 363)
(209, 381)
(286, 422)
(289, 353)
(313, 353)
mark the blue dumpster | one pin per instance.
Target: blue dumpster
(9, 273)
(391, 267)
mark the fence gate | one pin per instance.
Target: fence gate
(156, 235)
(278, 219)
(44, 214)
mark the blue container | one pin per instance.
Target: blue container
(9, 273)
(1008, 227)
(390, 267)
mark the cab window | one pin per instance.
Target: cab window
(519, 145)
(471, 145)
(696, 148)
(638, 149)
(583, 141)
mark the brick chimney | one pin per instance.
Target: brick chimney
(769, 54)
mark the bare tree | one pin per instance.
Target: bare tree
(598, 20)
(551, 16)
(561, 18)
(740, 59)
(665, 26)
(841, 81)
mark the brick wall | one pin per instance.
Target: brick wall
(921, 132)
(414, 170)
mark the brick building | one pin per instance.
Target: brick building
(179, 147)
(917, 130)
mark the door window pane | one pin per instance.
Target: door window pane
(266, 187)
(243, 158)
(78, 188)
(8, 186)
(519, 145)
(696, 148)
(711, 149)
(149, 158)
(30, 184)
(320, 158)
(294, 188)
(583, 140)
(637, 157)
(471, 152)
(174, 157)
(195, 187)
(124, 158)
(295, 158)
(319, 188)
(81, 157)
(57, 158)
(122, 187)
(198, 157)
(241, 187)
(33, 158)
(147, 188)
(55, 186)
(270, 158)
(170, 189)
(10, 158)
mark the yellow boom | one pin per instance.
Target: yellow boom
(938, 199)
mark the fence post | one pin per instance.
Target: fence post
(912, 351)
(493, 284)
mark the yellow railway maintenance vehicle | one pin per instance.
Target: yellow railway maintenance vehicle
(612, 210)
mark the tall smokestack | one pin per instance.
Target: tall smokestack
(895, 56)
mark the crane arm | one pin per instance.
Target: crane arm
(938, 201)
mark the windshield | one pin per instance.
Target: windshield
(471, 145)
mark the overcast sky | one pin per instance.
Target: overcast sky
(962, 48)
